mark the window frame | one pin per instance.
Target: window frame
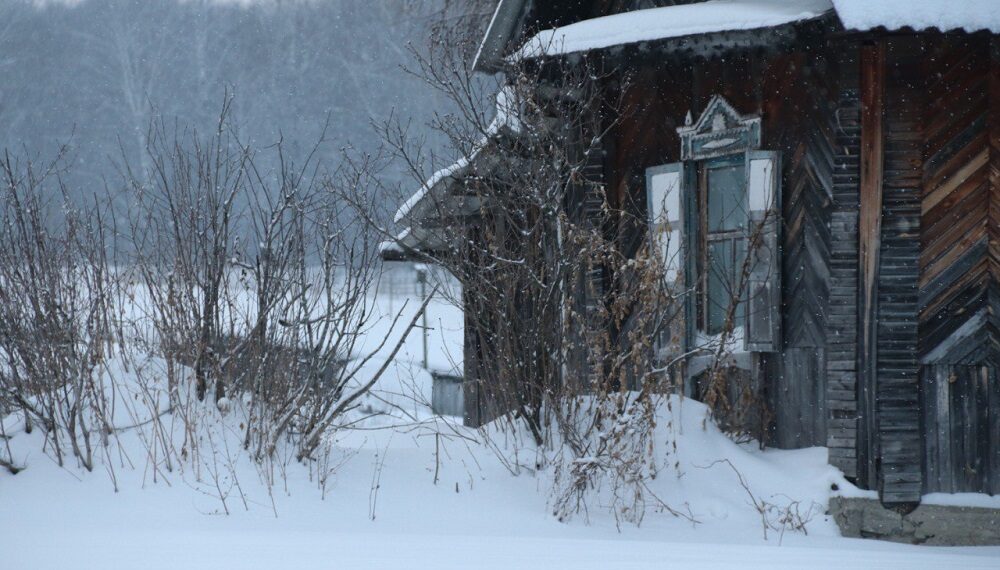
(706, 238)
(722, 132)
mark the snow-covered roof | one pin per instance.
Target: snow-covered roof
(506, 119)
(432, 198)
(716, 16)
(443, 176)
(967, 15)
(671, 22)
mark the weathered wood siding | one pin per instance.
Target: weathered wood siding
(796, 96)
(958, 258)
(799, 400)
(960, 265)
(898, 388)
(891, 240)
(887, 259)
(872, 87)
(842, 332)
(799, 118)
(962, 428)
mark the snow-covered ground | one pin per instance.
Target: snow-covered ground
(409, 490)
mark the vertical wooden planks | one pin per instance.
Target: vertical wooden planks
(799, 401)
(962, 429)
(928, 420)
(938, 425)
(978, 422)
(942, 426)
(992, 426)
(869, 232)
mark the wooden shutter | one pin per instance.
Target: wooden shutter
(763, 306)
(663, 200)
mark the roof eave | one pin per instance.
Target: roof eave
(490, 56)
(706, 43)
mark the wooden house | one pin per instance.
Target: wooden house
(868, 134)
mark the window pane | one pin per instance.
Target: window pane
(727, 204)
(719, 270)
(725, 266)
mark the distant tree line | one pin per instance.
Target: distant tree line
(97, 73)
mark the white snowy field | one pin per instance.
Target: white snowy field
(405, 489)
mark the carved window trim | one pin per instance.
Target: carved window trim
(719, 131)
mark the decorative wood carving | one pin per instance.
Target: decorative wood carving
(720, 131)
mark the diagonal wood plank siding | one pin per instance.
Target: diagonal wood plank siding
(808, 195)
(800, 114)
(960, 267)
(958, 259)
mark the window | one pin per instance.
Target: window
(702, 212)
(724, 221)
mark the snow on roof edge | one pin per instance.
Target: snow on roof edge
(670, 22)
(393, 245)
(507, 119)
(453, 171)
(944, 15)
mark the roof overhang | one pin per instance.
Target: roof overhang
(727, 20)
(434, 228)
(503, 26)
(923, 15)
(680, 23)
(414, 245)
(431, 216)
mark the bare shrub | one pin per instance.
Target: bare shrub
(59, 307)
(780, 514)
(262, 283)
(563, 301)
(184, 231)
(573, 327)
